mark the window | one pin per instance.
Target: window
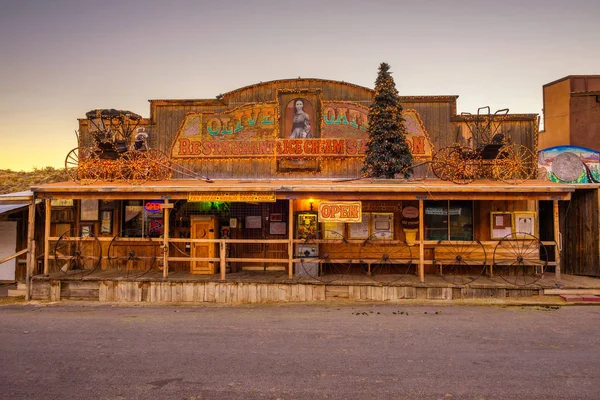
(142, 219)
(449, 220)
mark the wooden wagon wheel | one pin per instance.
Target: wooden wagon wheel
(135, 170)
(520, 259)
(387, 260)
(461, 262)
(464, 165)
(109, 170)
(89, 168)
(80, 166)
(72, 164)
(135, 255)
(440, 165)
(159, 165)
(329, 246)
(514, 164)
(77, 255)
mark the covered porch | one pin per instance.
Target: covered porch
(257, 239)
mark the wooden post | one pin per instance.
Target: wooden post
(421, 242)
(48, 209)
(222, 255)
(166, 213)
(30, 248)
(291, 238)
(557, 239)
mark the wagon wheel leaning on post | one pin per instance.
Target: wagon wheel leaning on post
(520, 259)
(461, 262)
(136, 255)
(330, 248)
(387, 260)
(75, 254)
(514, 164)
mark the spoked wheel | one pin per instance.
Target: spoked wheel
(109, 170)
(465, 165)
(520, 259)
(72, 164)
(514, 164)
(331, 260)
(134, 255)
(441, 164)
(159, 165)
(136, 169)
(461, 262)
(80, 166)
(77, 255)
(387, 260)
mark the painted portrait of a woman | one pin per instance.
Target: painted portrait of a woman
(300, 122)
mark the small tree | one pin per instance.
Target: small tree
(387, 153)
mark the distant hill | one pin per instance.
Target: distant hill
(16, 181)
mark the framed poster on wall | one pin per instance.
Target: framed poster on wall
(525, 223)
(501, 224)
(86, 229)
(106, 222)
(89, 210)
(360, 230)
(253, 222)
(333, 230)
(383, 225)
(277, 228)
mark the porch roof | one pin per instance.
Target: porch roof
(378, 189)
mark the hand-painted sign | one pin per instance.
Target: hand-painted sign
(253, 131)
(570, 164)
(340, 211)
(233, 197)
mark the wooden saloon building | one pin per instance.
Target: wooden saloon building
(257, 195)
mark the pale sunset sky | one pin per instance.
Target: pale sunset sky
(62, 58)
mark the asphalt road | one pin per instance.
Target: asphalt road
(299, 352)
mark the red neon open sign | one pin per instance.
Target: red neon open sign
(153, 206)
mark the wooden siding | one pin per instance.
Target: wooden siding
(438, 114)
(581, 233)
(256, 293)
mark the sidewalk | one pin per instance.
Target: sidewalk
(5, 287)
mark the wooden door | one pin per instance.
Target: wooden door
(203, 227)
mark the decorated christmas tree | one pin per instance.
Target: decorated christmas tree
(388, 153)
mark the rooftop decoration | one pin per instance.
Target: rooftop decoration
(491, 153)
(387, 152)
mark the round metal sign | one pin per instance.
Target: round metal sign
(567, 166)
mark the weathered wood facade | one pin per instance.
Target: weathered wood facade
(245, 219)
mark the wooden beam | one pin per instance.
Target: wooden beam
(31, 259)
(558, 240)
(290, 238)
(222, 255)
(48, 209)
(166, 210)
(421, 242)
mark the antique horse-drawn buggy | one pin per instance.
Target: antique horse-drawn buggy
(492, 154)
(112, 155)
